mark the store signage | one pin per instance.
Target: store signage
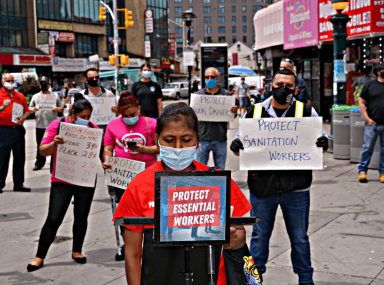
(66, 37)
(104, 65)
(69, 64)
(51, 41)
(148, 21)
(234, 59)
(32, 59)
(52, 51)
(51, 25)
(269, 27)
(147, 46)
(165, 63)
(154, 62)
(300, 23)
(172, 44)
(42, 38)
(366, 17)
(44, 48)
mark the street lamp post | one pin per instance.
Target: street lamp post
(339, 22)
(187, 17)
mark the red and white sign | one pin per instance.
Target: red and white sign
(234, 59)
(52, 51)
(51, 41)
(172, 44)
(366, 17)
(66, 37)
(149, 21)
(195, 206)
(32, 59)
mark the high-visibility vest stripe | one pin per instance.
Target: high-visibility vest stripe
(257, 111)
(299, 112)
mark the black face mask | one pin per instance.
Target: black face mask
(93, 82)
(381, 74)
(282, 95)
(44, 87)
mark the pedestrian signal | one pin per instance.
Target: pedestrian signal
(128, 19)
(124, 59)
(102, 16)
(112, 60)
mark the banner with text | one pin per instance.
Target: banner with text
(46, 102)
(213, 108)
(17, 111)
(78, 157)
(281, 144)
(102, 113)
(122, 172)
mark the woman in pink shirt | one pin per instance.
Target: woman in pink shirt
(130, 136)
(62, 192)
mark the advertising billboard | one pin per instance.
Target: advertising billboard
(215, 55)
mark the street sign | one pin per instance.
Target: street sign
(188, 56)
(148, 21)
(147, 46)
(107, 73)
(94, 58)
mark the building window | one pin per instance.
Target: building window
(179, 40)
(244, 29)
(256, 1)
(256, 8)
(14, 32)
(209, 39)
(192, 30)
(233, 19)
(178, 1)
(179, 50)
(178, 30)
(160, 39)
(191, 9)
(233, 9)
(221, 39)
(233, 39)
(178, 10)
(190, 1)
(85, 45)
(209, 30)
(221, 19)
(207, 9)
(61, 10)
(207, 1)
(220, 1)
(233, 1)
(244, 19)
(84, 11)
(192, 40)
(221, 30)
(244, 1)
(244, 39)
(244, 9)
(207, 20)
(221, 10)
(179, 20)
(233, 29)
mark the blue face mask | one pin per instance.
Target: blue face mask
(81, 122)
(177, 158)
(253, 92)
(147, 74)
(131, 121)
(211, 83)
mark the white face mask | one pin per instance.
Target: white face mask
(9, 86)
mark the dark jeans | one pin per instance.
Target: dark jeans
(40, 160)
(371, 134)
(12, 139)
(295, 208)
(59, 200)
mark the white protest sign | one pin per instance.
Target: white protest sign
(78, 157)
(46, 102)
(122, 172)
(102, 113)
(17, 111)
(281, 144)
(213, 108)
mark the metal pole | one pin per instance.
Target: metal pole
(116, 45)
(189, 70)
(184, 43)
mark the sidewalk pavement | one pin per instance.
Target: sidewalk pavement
(346, 229)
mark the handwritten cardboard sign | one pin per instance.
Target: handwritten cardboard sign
(102, 114)
(78, 157)
(213, 108)
(193, 206)
(46, 102)
(17, 111)
(281, 144)
(122, 172)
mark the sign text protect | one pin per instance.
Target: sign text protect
(213, 108)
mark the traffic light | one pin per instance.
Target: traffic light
(102, 16)
(128, 19)
(124, 59)
(112, 60)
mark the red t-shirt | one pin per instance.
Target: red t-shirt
(138, 201)
(6, 115)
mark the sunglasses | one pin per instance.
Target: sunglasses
(287, 60)
(10, 81)
(210, 77)
(94, 78)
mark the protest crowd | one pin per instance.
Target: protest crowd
(134, 138)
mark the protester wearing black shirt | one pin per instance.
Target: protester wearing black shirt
(148, 93)
(372, 96)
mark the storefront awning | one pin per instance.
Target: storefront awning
(19, 50)
(269, 30)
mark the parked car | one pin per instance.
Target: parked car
(175, 90)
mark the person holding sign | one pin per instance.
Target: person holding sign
(287, 188)
(130, 136)
(213, 134)
(14, 111)
(45, 105)
(177, 133)
(62, 192)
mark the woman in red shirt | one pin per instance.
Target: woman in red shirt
(177, 133)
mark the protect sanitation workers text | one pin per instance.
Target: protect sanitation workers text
(122, 172)
(77, 159)
(213, 108)
(281, 144)
(195, 206)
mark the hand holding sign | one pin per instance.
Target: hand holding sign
(17, 113)
(213, 108)
(46, 102)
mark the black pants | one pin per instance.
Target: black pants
(40, 160)
(12, 139)
(59, 200)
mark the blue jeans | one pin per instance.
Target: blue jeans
(370, 136)
(295, 208)
(219, 150)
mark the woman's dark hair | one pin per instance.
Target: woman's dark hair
(145, 65)
(175, 113)
(80, 104)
